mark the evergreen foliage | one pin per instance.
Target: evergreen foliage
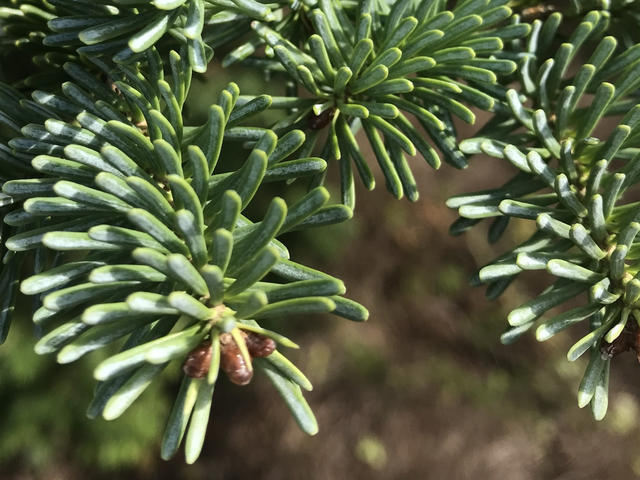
(121, 225)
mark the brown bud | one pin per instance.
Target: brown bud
(232, 362)
(259, 345)
(615, 348)
(317, 122)
(629, 339)
(198, 361)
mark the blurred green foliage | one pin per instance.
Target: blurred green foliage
(371, 451)
(41, 427)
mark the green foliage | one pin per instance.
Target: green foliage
(39, 438)
(385, 73)
(134, 220)
(572, 185)
(165, 245)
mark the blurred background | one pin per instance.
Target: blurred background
(423, 390)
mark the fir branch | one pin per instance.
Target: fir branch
(418, 63)
(133, 230)
(173, 260)
(572, 185)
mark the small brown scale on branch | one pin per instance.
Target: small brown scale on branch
(232, 362)
(629, 339)
(318, 122)
(143, 127)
